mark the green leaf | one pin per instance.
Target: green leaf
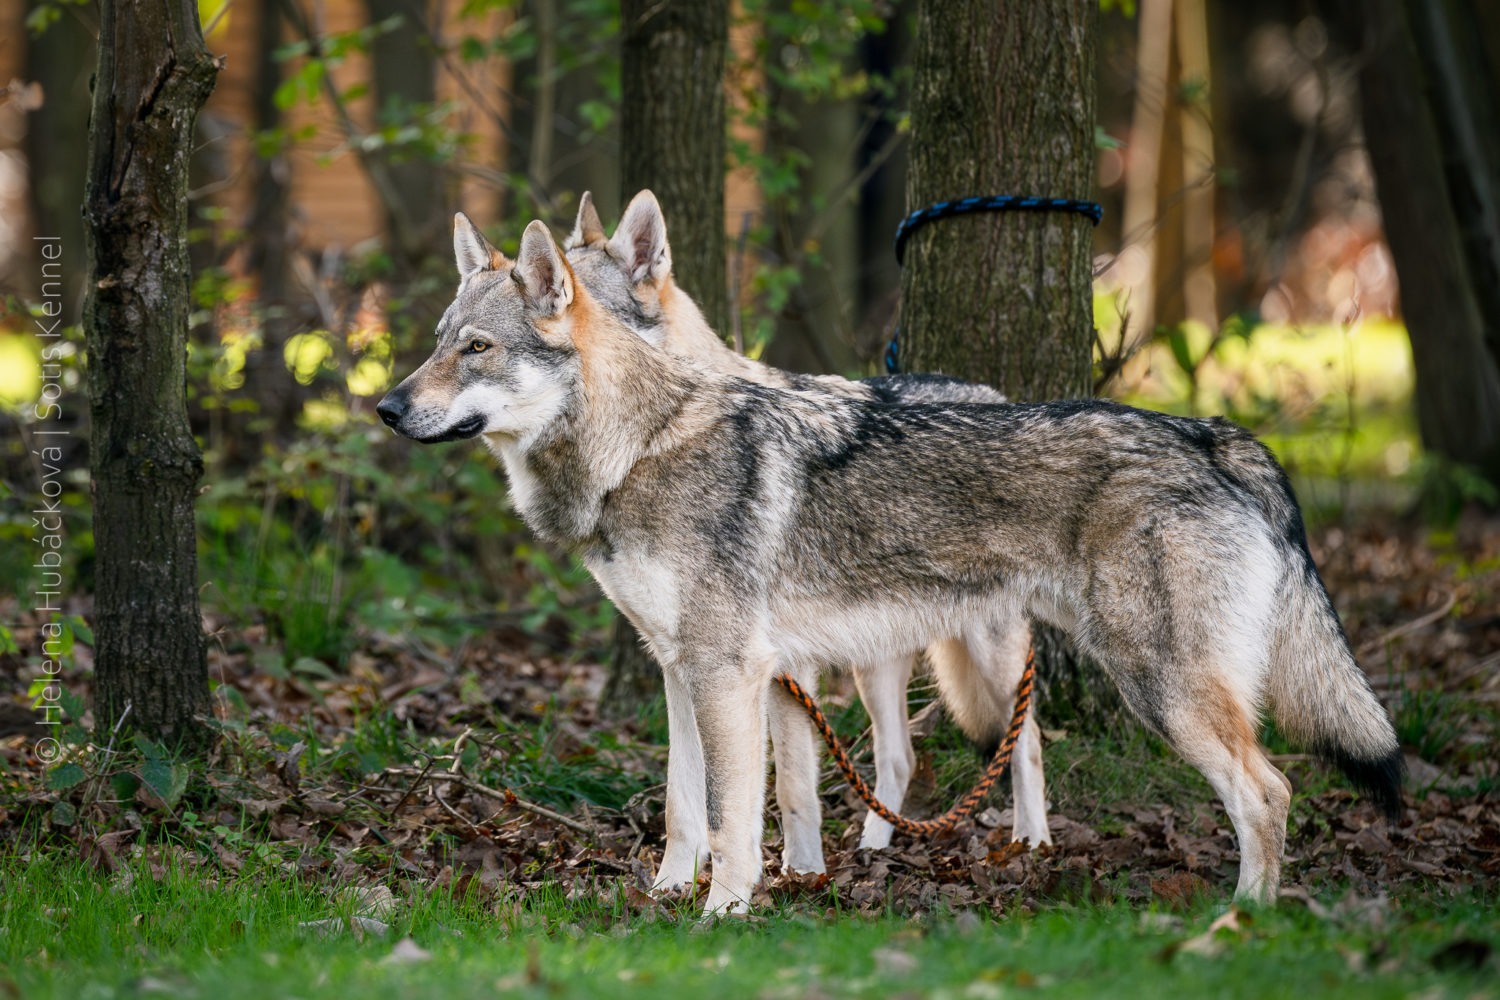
(309, 667)
(63, 814)
(1103, 140)
(1181, 352)
(73, 705)
(65, 776)
(150, 748)
(81, 628)
(124, 785)
(166, 779)
(471, 49)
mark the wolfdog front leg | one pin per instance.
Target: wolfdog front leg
(686, 852)
(729, 704)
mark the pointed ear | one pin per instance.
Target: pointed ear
(472, 251)
(588, 231)
(640, 241)
(546, 280)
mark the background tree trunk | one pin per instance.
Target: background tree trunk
(672, 130)
(56, 154)
(153, 76)
(1003, 103)
(404, 73)
(1412, 120)
(269, 241)
(672, 140)
(1463, 85)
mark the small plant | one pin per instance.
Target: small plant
(1429, 722)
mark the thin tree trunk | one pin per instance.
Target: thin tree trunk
(1148, 125)
(1466, 109)
(672, 133)
(56, 155)
(542, 124)
(1199, 296)
(265, 370)
(1003, 103)
(672, 140)
(404, 73)
(153, 76)
(1458, 380)
(813, 330)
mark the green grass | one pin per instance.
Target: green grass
(71, 932)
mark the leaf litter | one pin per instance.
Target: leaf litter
(459, 796)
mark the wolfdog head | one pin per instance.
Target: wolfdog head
(505, 363)
(630, 274)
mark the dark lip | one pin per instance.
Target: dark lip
(465, 429)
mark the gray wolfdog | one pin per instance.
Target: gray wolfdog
(631, 276)
(746, 530)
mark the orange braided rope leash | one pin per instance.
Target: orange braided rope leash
(966, 805)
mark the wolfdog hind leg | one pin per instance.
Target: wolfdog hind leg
(1000, 650)
(882, 688)
(794, 743)
(1206, 721)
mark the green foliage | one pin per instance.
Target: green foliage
(1445, 488)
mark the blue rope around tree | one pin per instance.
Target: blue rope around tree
(963, 206)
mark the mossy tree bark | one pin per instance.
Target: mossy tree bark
(153, 76)
(1003, 103)
(672, 140)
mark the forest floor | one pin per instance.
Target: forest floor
(466, 819)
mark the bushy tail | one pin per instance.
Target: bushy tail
(1321, 699)
(1318, 696)
(966, 697)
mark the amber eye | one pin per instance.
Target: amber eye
(478, 347)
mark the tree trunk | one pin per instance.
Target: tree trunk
(1458, 380)
(672, 133)
(153, 76)
(672, 140)
(269, 253)
(813, 330)
(1003, 103)
(1463, 94)
(56, 155)
(404, 73)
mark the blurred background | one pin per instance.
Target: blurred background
(1244, 267)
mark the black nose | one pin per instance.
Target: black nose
(392, 408)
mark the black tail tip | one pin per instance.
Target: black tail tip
(1379, 778)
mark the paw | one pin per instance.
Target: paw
(1035, 835)
(678, 870)
(722, 903)
(877, 833)
(804, 865)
